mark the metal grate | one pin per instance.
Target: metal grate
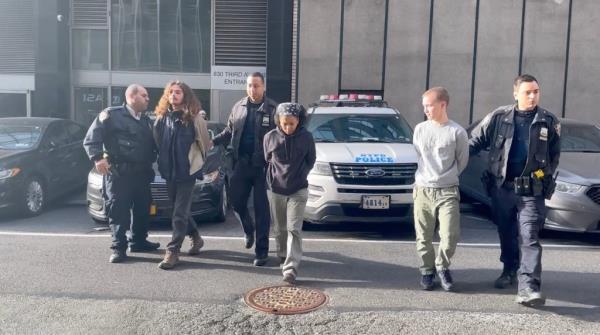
(241, 32)
(90, 13)
(159, 191)
(285, 300)
(594, 193)
(17, 53)
(358, 174)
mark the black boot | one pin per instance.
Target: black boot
(506, 279)
(143, 245)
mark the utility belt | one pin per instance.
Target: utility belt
(537, 184)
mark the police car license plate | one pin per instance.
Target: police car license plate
(375, 201)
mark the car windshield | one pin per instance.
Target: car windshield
(19, 137)
(580, 138)
(383, 128)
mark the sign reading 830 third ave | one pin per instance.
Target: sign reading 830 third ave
(232, 77)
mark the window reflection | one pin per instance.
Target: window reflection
(161, 35)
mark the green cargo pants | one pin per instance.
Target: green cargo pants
(433, 205)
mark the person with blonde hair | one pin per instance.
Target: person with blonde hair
(182, 139)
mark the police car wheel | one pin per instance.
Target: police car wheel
(34, 197)
(224, 205)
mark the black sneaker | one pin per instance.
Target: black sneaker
(427, 282)
(249, 241)
(260, 261)
(143, 246)
(506, 279)
(530, 297)
(446, 280)
(117, 256)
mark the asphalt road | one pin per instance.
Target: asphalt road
(56, 279)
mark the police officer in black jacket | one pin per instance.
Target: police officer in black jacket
(524, 148)
(250, 119)
(121, 145)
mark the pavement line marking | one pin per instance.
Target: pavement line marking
(335, 240)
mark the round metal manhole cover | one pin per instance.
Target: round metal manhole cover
(285, 299)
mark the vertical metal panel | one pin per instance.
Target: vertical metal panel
(17, 53)
(452, 53)
(497, 54)
(362, 54)
(584, 63)
(319, 49)
(406, 61)
(241, 32)
(544, 41)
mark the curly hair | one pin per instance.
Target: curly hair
(190, 102)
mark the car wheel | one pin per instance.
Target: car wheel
(34, 196)
(224, 205)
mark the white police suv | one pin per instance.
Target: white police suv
(366, 163)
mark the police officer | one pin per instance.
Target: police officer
(120, 144)
(250, 119)
(524, 148)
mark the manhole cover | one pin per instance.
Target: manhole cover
(285, 299)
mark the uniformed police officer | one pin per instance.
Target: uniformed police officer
(524, 148)
(250, 119)
(121, 145)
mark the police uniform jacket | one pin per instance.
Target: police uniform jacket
(496, 131)
(122, 137)
(235, 126)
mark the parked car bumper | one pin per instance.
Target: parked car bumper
(573, 212)
(206, 199)
(10, 191)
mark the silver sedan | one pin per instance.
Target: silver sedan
(575, 205)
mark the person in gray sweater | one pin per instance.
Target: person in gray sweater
(443, 153)
(290, 155)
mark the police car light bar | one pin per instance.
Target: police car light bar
(350, 97)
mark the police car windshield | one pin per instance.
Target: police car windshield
(381, 128)
(19, 137)
(579, 138)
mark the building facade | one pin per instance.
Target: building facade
(99, 47)
(475, 48)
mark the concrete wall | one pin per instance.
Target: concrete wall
(406, 61)
(497, 60)
(584, 63)
(319, 50)
(497, 50)
(544, 49)
(452, 53)
(362, 45)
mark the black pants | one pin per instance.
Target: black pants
(180, 195)
(123, 195)
(519, 220)
(245, 178)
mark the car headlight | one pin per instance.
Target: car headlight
(564, 187)
(209, 177)
(7, 173)
(95, 180)
(322, 168)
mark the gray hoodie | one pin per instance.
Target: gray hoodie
(290, 158)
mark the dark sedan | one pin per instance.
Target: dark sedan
(575, 205)
(209, 198)
(40, 159)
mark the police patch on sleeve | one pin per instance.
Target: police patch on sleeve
(557, 128)
(103, 116)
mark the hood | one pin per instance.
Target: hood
(579, 167)
(367, 153)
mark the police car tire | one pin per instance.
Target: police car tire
(33, 198)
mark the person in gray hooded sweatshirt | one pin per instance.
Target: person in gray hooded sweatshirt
(290, 154)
